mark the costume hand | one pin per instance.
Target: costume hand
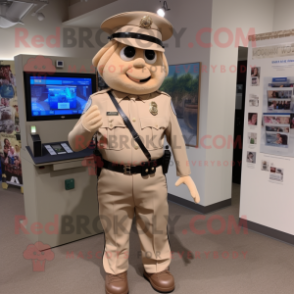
(191, 186)
(92, 120)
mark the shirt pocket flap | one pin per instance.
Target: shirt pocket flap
(112, 122)
(155, 123)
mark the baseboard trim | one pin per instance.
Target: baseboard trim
(197, 207)
(270, 232)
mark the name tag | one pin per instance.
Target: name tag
(111, 113)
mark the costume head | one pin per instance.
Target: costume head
(134, 61)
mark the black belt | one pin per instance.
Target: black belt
(146, 168)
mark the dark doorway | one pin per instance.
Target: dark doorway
(239, 113)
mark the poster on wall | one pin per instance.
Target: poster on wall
(278, 111)
(183, 85)
(10, 144)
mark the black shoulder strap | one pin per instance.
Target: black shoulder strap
(130, 127)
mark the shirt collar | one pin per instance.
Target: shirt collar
(121, 95)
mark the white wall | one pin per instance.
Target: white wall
(283, 16)
(191, 15)
(229, 14)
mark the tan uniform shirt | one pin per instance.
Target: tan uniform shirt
(116, 143)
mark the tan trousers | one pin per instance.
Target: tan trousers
(121, 197)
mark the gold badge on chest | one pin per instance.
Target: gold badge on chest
(153, 108)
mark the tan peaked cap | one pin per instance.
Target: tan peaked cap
(142, 22)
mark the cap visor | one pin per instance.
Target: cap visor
(138, 43)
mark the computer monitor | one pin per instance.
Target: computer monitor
(57, 96)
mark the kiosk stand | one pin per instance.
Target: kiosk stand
(59, 185)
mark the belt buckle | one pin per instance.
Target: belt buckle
(127, 170)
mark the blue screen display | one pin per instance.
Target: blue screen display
(52, 96)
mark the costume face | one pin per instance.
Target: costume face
(133, 70)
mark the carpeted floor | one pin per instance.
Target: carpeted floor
(202, 263)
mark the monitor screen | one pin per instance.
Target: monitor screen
(59, 96)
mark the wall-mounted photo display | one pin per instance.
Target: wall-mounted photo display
(252, 138)
(251, 157)
(277, 136)
(255, 76)
(183, 85)
(252, 119)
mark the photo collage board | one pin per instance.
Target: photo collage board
(278, 116)
(266, 192)
(10, 141)
(269, 114)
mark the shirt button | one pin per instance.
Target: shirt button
(134, 119)
(110, 125)
(156, 126)
(136, 147)
(110, 120)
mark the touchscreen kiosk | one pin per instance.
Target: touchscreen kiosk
(59, 184)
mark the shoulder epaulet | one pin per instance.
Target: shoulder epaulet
(161, 92)
(101, 92)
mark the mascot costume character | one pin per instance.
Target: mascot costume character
(130, 121)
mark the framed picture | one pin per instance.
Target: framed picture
(183, 85)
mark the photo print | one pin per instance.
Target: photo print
(292, 120)
(10, 159)
(276, 174)
(253, 100)
(278, 94)
(251, 157)
(277, 129)
(264, 165)
(252, 138)
(277, 139)
(276, 119)
(252, 119)
(255, 76)
(280, 100)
